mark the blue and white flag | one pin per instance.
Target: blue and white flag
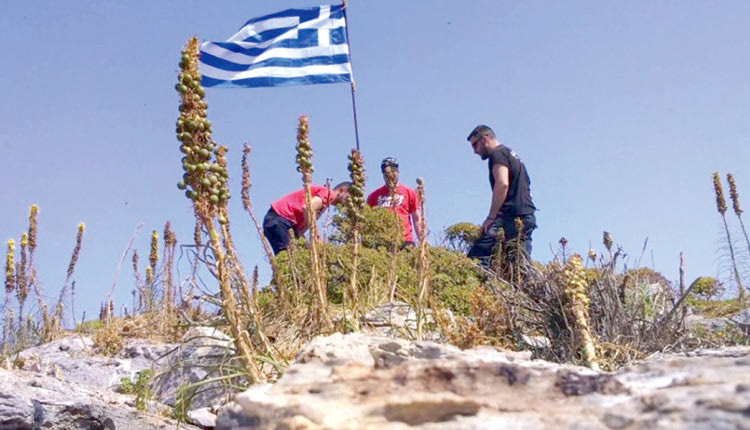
(292, 47)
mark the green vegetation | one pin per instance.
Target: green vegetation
(140, 388)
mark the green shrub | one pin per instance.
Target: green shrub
(379, 228)
(453, 276)
(706, 288)
(459, 237)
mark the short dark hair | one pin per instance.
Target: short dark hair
(481, 129)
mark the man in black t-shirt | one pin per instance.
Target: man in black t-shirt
(511, 197)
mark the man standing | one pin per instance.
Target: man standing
(406, 204)
(289, 212)
(511, 197)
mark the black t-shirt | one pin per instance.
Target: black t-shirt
(519, 200)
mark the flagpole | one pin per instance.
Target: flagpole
(354, 99)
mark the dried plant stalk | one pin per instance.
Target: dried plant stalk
(170, 242)
(246, 204)
(392, 183)
(304, 166)
(721, 207)
(57, 320)
(355, 205)
(736, 205)
(423, 263)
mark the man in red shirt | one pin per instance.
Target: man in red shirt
(289, 212)
(406, 205)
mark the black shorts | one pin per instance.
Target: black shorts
(276, 229)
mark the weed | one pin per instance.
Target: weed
(140, 388)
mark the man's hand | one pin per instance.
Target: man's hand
(486, 225)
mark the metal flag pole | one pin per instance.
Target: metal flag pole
(354, 99)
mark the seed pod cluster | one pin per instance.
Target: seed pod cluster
(204, 179)
(304, 150)
(420, 194)
(220, 194)
(355, 204)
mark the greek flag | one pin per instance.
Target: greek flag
(292, 47)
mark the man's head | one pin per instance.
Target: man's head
(392, 163)
(482, 140)
(342, 192)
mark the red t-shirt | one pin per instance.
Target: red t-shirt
(406, 203)
(292, 205)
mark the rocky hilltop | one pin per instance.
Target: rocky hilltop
(359, 381)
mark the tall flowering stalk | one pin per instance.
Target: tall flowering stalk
(577, 295)
(10, 284)
(607, 240)
(22, 266)
(69, 274)
(170, 242)
(423, 264)
(355, 206)
(519, 250)
(205, 184)
(22, 291)
(153, 259)
(9, 269)
(498, 253)
(392, 183)
(138, 283)
(305, 167)
(736, 205)
(246, 204)
(721, 207)
(33, 212)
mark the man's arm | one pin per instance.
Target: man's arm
(317, 204)
(415, 219)
(499, 193)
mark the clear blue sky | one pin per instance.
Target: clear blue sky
(620, 110)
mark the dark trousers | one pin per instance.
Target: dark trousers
(276, 230)
(482, 248)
